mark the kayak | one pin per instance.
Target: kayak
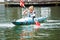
(29, 20)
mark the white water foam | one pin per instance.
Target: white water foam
(6, 25)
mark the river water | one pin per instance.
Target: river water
(50, 30)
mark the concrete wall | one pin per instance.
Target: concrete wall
(33, 0)
(1, 0)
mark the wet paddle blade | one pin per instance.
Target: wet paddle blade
(22, 3)
(37, 24)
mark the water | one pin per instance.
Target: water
(49, 30)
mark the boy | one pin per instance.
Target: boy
(30, 12)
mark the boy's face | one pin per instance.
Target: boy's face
(31, 9)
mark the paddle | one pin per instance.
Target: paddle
(22, 4)
(37, 25)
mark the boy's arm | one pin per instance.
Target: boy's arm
(25, 11)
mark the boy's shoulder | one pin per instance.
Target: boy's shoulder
(34, 11)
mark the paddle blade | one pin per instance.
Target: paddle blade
(37, 24)
(22, 3)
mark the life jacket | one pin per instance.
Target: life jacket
(31, 14)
